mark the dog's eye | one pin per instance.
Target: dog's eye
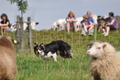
(98, 47)
(38, 48)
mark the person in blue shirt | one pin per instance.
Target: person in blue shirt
(87, 25)
(90, 30)
(89, 16)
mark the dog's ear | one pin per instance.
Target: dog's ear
(35, 44)
(99, 17)
(42, 45)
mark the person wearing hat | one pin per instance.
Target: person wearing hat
(87, 26)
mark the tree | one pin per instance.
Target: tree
(21, 4)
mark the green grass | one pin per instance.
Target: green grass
(31, 67)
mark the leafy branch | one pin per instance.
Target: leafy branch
(22, 4)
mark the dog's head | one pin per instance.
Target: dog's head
(99, 17)
(37, 49)
(68, 54)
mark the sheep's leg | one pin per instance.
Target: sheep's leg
(55, 57)
(96, 77)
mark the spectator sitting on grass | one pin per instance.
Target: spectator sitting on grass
(91, 20)
(71, 20)
(111, 25)
(89, 17)
(5, 23)
(87, 25)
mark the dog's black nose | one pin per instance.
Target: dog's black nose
(70, 56)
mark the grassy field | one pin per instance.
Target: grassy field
(31, 67)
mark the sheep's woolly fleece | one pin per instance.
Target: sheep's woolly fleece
(105, 66)
(8, 67)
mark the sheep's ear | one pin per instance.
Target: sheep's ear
(89, 45)
(104, 45)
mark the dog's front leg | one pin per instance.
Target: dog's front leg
(55, 57)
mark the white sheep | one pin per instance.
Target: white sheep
(54, 26)
(25, 26)
(59, 24)
(78, 23)
(104, 63)
(95, 18)
(8, 68)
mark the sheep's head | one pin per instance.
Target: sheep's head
(99, 49)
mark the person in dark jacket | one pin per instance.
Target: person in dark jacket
(5, 23)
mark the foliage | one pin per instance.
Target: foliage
(22, 4)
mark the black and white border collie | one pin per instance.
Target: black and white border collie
(53, 49)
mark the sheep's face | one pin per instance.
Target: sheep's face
(96, 49)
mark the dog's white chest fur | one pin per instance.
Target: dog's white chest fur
(48, 55)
